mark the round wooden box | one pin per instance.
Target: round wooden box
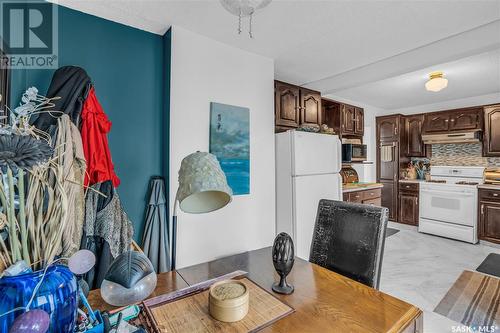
(228, 301)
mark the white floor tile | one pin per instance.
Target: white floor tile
(420, 268)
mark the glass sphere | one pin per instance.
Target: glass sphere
(130, 279)
(34, 321)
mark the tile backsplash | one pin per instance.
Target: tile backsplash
(465, 154)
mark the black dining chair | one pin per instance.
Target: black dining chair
(349, 239)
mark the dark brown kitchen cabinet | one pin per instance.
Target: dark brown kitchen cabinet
(310, 107)
(389, 198)
(367, 197)
(436, 122)
(352, 119)
(295, 106)
(388, 128)
(408, 203)
(491, 137)
(359, 121)
(388, 161)
(413, 144)
(465, 119)
(348, 119)
(286, 104)
(388, 155)
(489, 215)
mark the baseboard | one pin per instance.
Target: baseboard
(401, 226)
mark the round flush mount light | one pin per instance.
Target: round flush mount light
(436, 82)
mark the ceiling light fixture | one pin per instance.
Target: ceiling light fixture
(436, 82)
(244, 8)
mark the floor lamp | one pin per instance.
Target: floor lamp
(202, 189)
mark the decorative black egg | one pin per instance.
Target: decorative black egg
(283, 259)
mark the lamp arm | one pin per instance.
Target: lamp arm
(174, 232)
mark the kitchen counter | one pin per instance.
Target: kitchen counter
(414, 181)
(353, 187)
(489, 186)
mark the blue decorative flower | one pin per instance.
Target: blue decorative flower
(22, 151)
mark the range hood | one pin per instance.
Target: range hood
(453, 137)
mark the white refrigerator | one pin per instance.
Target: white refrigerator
(307, 170)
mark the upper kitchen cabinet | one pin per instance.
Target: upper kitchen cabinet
(352, 119)
(467, 119)
(286, 104)
(348, 119)
(436, 122)
(413, 145)
(295, 106)
(388, 128)
(331, 114)
(310, 107)
(359, 119)
(491, 138)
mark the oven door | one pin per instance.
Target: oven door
(448, 205)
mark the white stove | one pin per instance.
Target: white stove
(448, 203)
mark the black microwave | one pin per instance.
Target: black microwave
(352, 152)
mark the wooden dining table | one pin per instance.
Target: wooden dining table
(324, 301)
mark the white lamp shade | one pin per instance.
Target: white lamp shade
(202, 184)
(436, 82)
(436, 85)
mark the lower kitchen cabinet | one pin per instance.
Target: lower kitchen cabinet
(389, 198)
(363, 196)
(489, 215)
(408, 203)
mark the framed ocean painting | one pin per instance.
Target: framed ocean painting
(230, 142)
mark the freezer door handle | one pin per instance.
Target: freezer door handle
(341, 194)
(339, 150)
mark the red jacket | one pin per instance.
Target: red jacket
(95, 127)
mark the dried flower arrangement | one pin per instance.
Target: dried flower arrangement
(32, 193)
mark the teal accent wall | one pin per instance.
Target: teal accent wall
(130, 69)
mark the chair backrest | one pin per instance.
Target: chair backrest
(349, 239)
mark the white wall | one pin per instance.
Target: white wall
(204, 71)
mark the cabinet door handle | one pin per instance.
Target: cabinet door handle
(407, 186)
(482, 209)
(495, 194)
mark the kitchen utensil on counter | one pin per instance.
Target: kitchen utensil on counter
(349, 175)
(492, 176)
